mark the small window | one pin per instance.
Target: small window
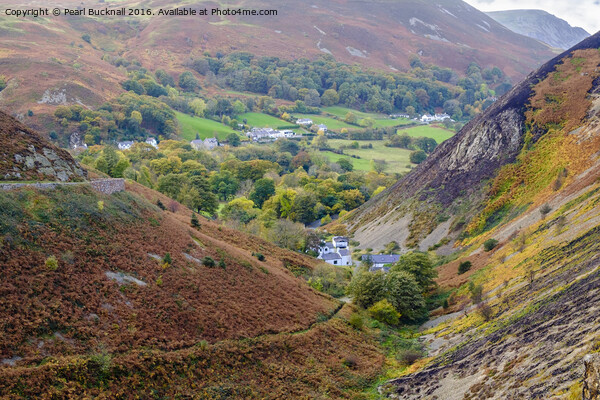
(335, 261)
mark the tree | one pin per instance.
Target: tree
(379, 165)
(87, 38)
(233, 139)
(367, 288)
(330, 97)
(198, 106)
(351, 118)
(346, 164)
(428, 145)
(188, 82)
(171, 184)
(420, 266)
(303, 207)
(405, 294)
(287, 234)
(206, 200)
(384, 311)
(240, 209)
(417, 157)
(263, 189)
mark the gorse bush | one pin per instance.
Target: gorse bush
(356, 321)
(490, 244)
(51, 263)
(464, 267)
(208, 261)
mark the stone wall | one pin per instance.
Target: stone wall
(106, 186)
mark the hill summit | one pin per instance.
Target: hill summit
(541, 25)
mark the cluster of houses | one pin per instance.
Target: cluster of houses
(427, 118)
(307, 122)
(337, 252)
(206, 144)
(267, 134)
(126, 145)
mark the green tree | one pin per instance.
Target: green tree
(330, 97)
(367, 288)
(346, 164)
(206, 200)
(384, 311)
(264, 188)
(419, 265)
(405, 294)
(233, 139)
(417, 157)
(303, 207)
(188, 82)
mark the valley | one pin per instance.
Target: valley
(341, 200)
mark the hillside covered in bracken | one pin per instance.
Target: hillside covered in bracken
(106, 292)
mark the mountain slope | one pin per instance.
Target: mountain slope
(534, 117)
(540, 25)
(26, 156)
(381, 34)
(516, 193)
(105, 292)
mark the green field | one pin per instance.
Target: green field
(205, 127)
(341, 112)
(262, 120)
(331, 123)
(396, 158)
(434, 132)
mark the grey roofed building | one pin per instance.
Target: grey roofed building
(331, 256)
(376, 269)
(381, 258)
(344, 252)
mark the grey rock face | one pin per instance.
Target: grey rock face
(540, 25)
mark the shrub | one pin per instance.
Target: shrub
(485, 311)
(417, 157)
(51, 263)
(167, 258)
(384, 311)
(476, 292)
(87, 38)
(194, 221)
(208, 262)
(222, 264)
(160, 205)
(490, 244)
(408, 356)
(545, 210)
(173, 206)
(259, 256)
(464, 267)
(356, 321)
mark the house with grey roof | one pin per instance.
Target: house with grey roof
(380, 262)
(336, 252)
(322, 127)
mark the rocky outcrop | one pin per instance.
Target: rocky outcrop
(591, 378)
(24, 155)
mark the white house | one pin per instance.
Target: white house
(211, 143)
(381, 262)
(152, 142)
(322, 127)
(304, 121)
(340, 242)
(125, 145)
(426, 118)
(258, 134)
(336, 252)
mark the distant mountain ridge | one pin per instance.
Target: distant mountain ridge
(541, 25)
